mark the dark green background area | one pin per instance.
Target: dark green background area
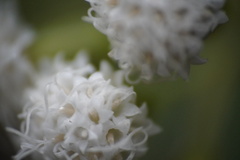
(200, 118)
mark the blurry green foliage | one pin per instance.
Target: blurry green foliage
(60, 28)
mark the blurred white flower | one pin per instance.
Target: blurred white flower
(99, 13)
(77, 114)
(15, 36)
(156, 38)
(117, 77)
(15, 68)
(47, 68)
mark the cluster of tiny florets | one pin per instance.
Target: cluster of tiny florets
(159, 38)
(78, 114)
(73, 112)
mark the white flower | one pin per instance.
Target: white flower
(102, 8)
(117, 77)
(49, 67)
(15, 68)
(156, 38)
(14, 35)
(80, 115)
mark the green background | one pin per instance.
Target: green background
(200, 117)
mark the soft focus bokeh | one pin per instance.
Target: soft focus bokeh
(200, 118)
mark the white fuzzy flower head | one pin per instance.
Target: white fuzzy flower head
(14, 35)
(156, 38)
(14, 67)
(81, 115)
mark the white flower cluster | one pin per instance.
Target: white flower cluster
(156, 38)
(72, 111)
(15, 35)
(14, 67)
(78, 114)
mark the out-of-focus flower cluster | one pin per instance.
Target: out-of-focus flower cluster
(153, 39)
(77, 114)
(15, 69)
